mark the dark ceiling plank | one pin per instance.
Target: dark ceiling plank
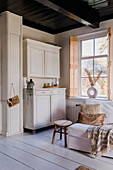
(50, 30)
(110, 2)
(59, 22)
(70, 27)
(33, 12)
(21, 8)
(46, 18)
(3, 5)
(67, 13)
(98, 2)
(106, 11)
(38, 26)
(42, 16)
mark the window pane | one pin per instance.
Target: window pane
(101, 46)
(86, 64)
(84, 86)
(87, 48)
(100, 64)
(101, 86)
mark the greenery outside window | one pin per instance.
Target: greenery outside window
(94, 57)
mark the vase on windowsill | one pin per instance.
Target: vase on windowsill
(92, 91)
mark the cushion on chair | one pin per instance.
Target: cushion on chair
(78, 130)
(91, 119)
(105, 107)
(90, 108)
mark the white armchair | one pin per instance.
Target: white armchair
(78, 135)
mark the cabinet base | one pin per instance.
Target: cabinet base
(34, 131)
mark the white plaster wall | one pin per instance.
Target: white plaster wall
(62, 39)
(38, 35)
(39, 82)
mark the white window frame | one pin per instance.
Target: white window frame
(89, 57)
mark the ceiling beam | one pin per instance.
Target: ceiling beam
(57, 7)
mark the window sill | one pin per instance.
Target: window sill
(87, 98)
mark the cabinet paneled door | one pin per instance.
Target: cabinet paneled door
(57, 107)
(41, 59)
(36, 63)
(51, 64)
(42, 110)
(44, 107)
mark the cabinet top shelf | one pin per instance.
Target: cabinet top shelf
(48, 89)
(27, 40)
(47, 92)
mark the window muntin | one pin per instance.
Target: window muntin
(95, 60)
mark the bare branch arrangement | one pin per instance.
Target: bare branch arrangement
(91, 80)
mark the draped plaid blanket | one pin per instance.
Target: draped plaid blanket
(101, 139)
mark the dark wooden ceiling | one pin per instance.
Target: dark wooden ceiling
(55, 16)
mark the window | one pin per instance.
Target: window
(94, 57)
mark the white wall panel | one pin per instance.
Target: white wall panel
(11, 36)
(14, 70)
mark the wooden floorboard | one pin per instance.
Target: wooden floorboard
(28, 159)
(71, 155)
(10, 164)
(45, 155)
(36, 152)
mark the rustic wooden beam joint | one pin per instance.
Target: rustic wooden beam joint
(69, 13)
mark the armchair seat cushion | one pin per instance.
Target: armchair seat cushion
(78, 130)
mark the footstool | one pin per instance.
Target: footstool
(63, 124)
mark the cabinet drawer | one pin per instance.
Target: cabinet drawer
(42, 93)
(57, 92)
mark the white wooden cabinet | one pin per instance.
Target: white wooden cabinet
(44, 107)
(41, 59)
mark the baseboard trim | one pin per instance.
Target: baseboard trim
(6, 134)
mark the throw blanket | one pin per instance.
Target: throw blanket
(101, 139)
